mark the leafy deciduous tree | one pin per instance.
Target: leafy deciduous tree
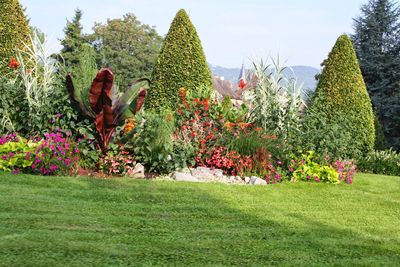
(127, 46)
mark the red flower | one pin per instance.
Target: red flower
(14, 64)
(242, 84)
(206, 104)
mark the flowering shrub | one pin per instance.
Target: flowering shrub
(236, 147)
(346, 169)
(119, 163)
(12, 137)
(218, 157)
(55, 154)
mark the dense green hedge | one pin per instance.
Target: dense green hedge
(181, 63)
(14, 32)
(340, 117)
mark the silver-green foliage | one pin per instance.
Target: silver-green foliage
(274, 102)
(37, 72)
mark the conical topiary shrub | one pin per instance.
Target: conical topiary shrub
(340, 121)
(14, 32)
(181, 63)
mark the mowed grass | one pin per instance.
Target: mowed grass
(61, 221)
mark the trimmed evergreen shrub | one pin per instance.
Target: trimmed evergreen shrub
(14, 32)
(181, 63)
(341, 107)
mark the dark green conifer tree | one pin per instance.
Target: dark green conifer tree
(72, 42)
(377, 44)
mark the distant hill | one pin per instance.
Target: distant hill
(304, 74)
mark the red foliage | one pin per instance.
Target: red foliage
(140, 100)
(101, 103)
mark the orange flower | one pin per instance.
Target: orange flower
(229, 125)
(129, 126)
(14, 64)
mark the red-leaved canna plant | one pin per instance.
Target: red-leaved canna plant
(107, 107)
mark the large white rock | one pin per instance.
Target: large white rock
(138, 171)
(257, 181)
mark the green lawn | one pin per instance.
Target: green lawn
(53, 221)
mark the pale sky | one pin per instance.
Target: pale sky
(231, 31)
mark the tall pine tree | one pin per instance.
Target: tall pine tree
(73, 41)
(377, 44)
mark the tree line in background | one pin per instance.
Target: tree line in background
(125, 45)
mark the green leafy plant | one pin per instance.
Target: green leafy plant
(152, 143)
(10, 101)
(181, 63)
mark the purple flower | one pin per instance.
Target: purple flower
(59, 115)
(16, 171)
